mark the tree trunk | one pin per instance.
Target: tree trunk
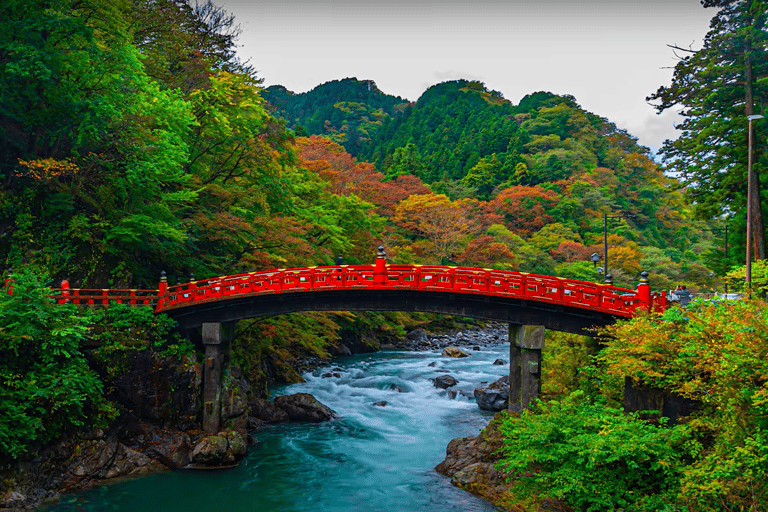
(758, 233)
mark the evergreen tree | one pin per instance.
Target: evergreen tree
(717, 88)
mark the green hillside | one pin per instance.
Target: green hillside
(346, 111)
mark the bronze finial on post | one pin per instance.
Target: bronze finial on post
(162, 290)
(644, 291)
(380, 269)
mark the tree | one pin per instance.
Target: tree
(406, 160)
(713, 353)
(84, 128)
(485, 251)
(484, 176)
(717, 87)
(551, 236)
(523, 209)
(444, 223)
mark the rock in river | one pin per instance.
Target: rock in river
(493, 397)
(445, 382)
(304, 407)
(455, 352)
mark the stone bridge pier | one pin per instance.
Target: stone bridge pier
(525, 344)
(217, 337)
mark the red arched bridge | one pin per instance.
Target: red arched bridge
(529, 303)
(514, 297)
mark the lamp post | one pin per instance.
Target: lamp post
(749, 204)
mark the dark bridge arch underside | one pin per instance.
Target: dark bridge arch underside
(553, 316)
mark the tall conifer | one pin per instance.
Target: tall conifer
(717, 87)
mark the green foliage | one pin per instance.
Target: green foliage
(737, 278)
(121, 329)
(581, 270)
(563, 359)
(594, 457)
(712, 353)
(47, 387)
(452, 126)
(283, 340)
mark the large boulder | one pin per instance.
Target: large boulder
(464, 451)
(455, 352)
(267, 411)
(211, 451)
(172, 448)
(445, 382)
(353, 342)
(305, 408)
(222, 449)
(495, 396)
(102, 457)
(484, 473)
(417, 335)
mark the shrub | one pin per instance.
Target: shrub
(46, 386)
(717, 354)
(594, 457)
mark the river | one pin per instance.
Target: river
(373, 459)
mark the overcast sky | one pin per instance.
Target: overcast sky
(610, 55)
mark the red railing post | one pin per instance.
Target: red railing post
(380, 269)
(644, 291)
(64, 291)
(192, 287)
(162, 292)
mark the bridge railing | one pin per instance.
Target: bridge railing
(104, 297)
(568, 292)
(581, 294)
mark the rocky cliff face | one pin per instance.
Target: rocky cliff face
(158, 429)
(160, 390)
(470, 463)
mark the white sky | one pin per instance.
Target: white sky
(610, 55)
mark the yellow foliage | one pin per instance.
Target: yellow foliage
(44, 169)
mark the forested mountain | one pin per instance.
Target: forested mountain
(526, 186)
(345, 111)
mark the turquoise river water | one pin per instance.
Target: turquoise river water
(372, 459)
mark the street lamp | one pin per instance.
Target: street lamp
(749, 204)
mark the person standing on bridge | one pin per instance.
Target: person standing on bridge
(672, 296)
(684, 295)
